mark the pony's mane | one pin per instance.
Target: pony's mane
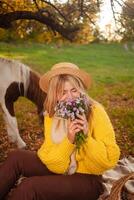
(20, 70)
(6, 60)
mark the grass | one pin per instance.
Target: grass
(101, 61)
(111, 68)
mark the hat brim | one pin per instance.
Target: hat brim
(82, 75)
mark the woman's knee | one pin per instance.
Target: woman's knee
(23, 191)
(15, 155)
(28, 189)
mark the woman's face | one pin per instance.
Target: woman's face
(69, 92)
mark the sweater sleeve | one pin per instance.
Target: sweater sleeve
(55, 156)
(101, 148)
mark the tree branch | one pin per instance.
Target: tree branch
(53, 6)
(68, 31)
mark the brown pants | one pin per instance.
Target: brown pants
(41, 184)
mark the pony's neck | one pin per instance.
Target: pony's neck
(34, 93)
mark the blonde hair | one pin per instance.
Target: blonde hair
(56, 87)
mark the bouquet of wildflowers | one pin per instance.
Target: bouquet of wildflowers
(70, 109)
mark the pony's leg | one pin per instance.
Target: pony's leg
(12, 128)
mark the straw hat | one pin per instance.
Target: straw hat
(64, 68)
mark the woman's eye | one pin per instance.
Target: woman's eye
(74, 90)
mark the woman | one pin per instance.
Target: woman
(58, 171)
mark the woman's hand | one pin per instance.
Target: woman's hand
(75, 126)
(83, 123)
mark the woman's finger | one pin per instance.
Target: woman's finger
(73, 123)
(76, 130)
(82, 116)
(81, 127)
(79, 121)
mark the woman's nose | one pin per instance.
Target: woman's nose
(69, 95)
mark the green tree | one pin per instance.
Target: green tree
(127, 21)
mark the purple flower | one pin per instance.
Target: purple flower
(74, 109)
(70, 109)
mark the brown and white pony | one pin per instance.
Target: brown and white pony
(17, 79)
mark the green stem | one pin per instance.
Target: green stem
(80, 139)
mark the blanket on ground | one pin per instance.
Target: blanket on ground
(123, 167)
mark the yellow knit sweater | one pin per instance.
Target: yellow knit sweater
(97, 155)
